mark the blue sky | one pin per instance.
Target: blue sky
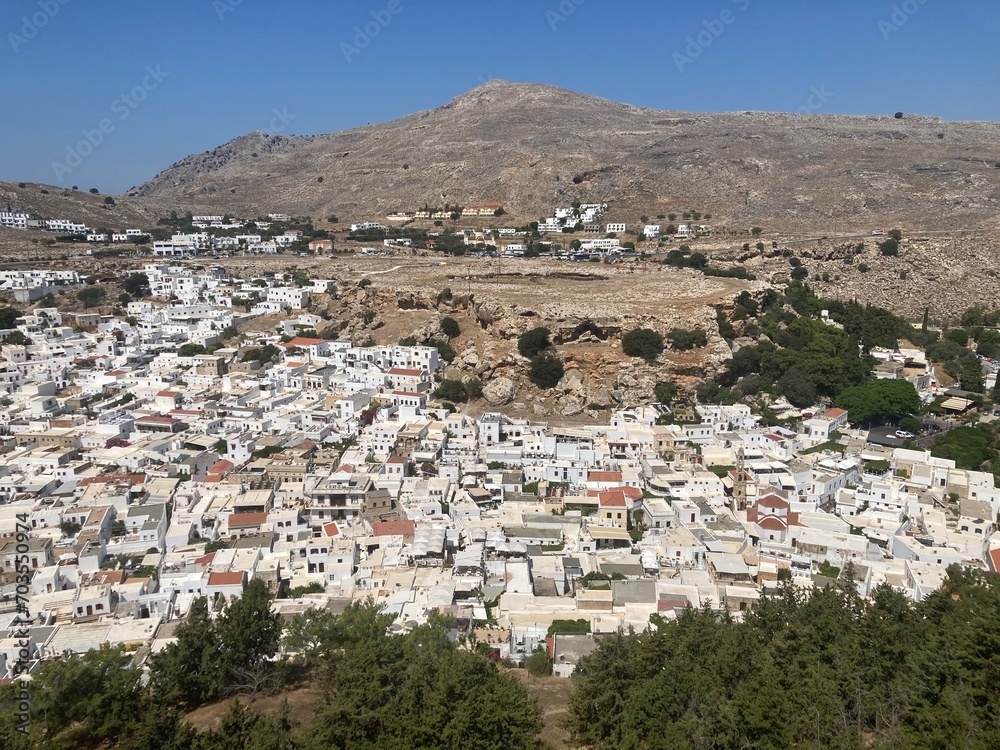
(149, 82)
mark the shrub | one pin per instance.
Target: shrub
(452, 390)
(364, 283)
(642, 342)
(450, 327)
(665, 392)
(683, 338)
(474, 387)
(889, 247)
(546, 371)
(538, 663)
(534, 342)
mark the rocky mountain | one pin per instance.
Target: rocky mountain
(533, 146)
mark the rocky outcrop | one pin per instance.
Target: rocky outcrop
(499, 391)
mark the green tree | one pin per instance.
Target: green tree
(643, 342)
(136, 284)
(474, 387)
(188, 671)
(533, 342)
(90, 296)
(683, 339)
(879, 401)
(92, 697)
(8, 317)
(665, 392)
(450, 328)
(452, 390)
(889, 247)
(249, 632)
(190, 350)
(538, 663)
(546, 371)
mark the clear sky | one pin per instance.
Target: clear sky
(151, 81)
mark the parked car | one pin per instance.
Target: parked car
(996, 412)
(877, 233)
(904, 435)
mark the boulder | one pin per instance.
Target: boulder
(499, 391)
(570, 406)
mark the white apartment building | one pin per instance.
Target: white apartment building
(12, 220)
(366, 226)
(616, 228)
(600, 243)
(65, 225)
(287, 296)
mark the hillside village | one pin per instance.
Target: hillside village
(149, 461)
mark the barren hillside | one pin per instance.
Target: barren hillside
(532, 146)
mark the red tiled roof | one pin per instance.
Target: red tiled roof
(132, 479)
(405, 371)
(225, 579)
(394, 528)
(633, 493)
(613, 499)
(407, 393)
(109, 576)
(397, 460)
(664, 605)
(604, 476)
(995, 559)
(834, 413)
(168, 394)
(221, 466)
(242, 520)
(331, 530)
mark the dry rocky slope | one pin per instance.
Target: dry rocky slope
(533, 146)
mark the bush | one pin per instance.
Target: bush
(450, 328)
(683, 339)
(90, 296)
(546, 371)
(642, 342)
(474, 387)
(538, 663)
(665, 392)
(958, 335)
(365, 283)
(534, 342)
(889, 247)
(800, 273)
(452, 390)
(446, 350)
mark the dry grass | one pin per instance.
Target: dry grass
(552, 694)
